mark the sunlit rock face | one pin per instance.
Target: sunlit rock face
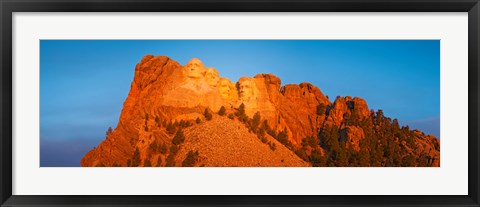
(164, 90)
(248, 90)
(352, 136)
(227, 89)
(195, 81)
(212, 77)
(248, 94)
(194, 69)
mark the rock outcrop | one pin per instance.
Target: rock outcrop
(352, 136)
(166, 96)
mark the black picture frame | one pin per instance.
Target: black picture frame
(7, 7)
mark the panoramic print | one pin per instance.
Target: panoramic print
(239, 103)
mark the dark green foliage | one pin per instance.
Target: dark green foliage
(198, 120)
(317, 159)
(231, 116)
(171, 127)
(321, 109)
(423, 161)
(159, 161)
(136, 158)
(264, 126)
(329, 136)
(147, 163)
(164, 123)
(353, 120)
(339, 157)
(364, 158)
(242, 116)
(191, 159)
(182, 123)
(207, 114)
(353, 158)
(153, 146)
(272, 133)
(129, 163)
(222, 111)
(261, 133)
(350, 105)
(282, 137)
(109, 131)
(255, 121)
(272, 146)
(185, 124)
(408, 136)
(171, 156)
(175, 124)
(178, 138)
(163, 148)
(327, 111)
(170, 160)
(302, 154)
(310, 141)
(241, 109)
(436, 145)
(385, 143)
(408, 161)
(173, 150)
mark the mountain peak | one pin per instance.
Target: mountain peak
(171, 106)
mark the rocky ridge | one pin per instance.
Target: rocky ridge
(166, 95)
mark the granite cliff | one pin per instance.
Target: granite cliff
(189, 115)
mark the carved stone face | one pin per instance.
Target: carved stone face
(211, 76)
(247, 88)
(225, 88)
(194, 68)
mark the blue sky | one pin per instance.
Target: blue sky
(84, 83)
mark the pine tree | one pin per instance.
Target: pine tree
(321, 109)
(255, 121)
(178, 138)
(272, 146)
(109, 131)
(153, 146)
(191, 159)
(157, 120)
(207, 114)
(242, 116)
(171, 127)
(163, 148)
(222, 111)
(329, 137)
(159, 161)
(136, 158)
(282, 137)
(170, 160)
(241, 109)
(309, 141)
(173, 150)
(147, 163)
